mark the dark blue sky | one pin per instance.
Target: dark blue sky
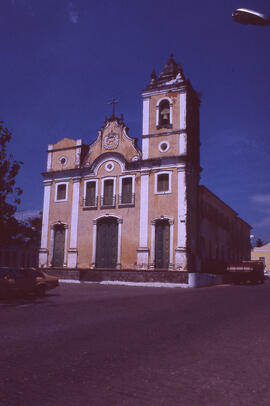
(62, 61)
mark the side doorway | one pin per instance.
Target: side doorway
(58, 246)
(162, 244)
(107, 243)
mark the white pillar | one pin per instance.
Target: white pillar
(43, 252)
(94, 241)
(66, 239)
(49, 157)
(183, 111)
(171, 245)
(153, 241)
(51, 244)
(171, 109)
(143, 250)
(118, 263)
(183, 124)
(146, 104)
(181, 250)
(183, 143)
(73, 251)
(145, 148)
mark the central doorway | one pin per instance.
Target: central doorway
(58, 246)
(162, 244)
(107, 242)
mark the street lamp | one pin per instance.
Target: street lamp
(246, 16)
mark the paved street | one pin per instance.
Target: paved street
(116, 345)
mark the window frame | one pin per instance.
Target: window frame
(132, 203)
(56, 192)
(158, 124)
(169, 185)
(102, 192)
(96, 194)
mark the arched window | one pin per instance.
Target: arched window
(164, 113)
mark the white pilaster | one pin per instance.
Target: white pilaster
(73, 252)
(183, 111)
(171, 244)
(49, 157)
(118, 264)
(143, 250)
(43, 253)
(171, 108)
(153, 241)
(183, 144)
(146, 104)
(145, 148)
(94, 240)
(51, 244)
(78, 152)
(181, 250)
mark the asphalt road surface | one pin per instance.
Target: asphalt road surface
(97, 345)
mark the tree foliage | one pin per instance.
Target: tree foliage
(259, 242)
(9, 193)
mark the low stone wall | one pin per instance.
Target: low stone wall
(192, 280)
(198, 280)
(134, 276)
(63, 273)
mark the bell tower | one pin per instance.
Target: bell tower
(170, 138)
(170, 115)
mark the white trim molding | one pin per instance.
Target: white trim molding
(169, 173)
(132, 191)
(102, 190)
(84, 193)
(56, 190)
(167, 146)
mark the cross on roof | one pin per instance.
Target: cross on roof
(113, 102)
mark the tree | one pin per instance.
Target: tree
(9, 193)
(259, 242)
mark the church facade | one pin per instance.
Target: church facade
(111, 205)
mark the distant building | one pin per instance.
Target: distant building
(111, 205)
(262, 254)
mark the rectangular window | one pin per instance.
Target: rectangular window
(90, 195)
(126, 191)
(61, 192)
(163, 182)
(108, 198)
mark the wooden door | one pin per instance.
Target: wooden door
(162, 244)
(107, 242)
(59, 246)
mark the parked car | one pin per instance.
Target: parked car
(43, 281)
(15, 282)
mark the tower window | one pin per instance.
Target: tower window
(163, 181)
(61, 192)
(164, 113)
